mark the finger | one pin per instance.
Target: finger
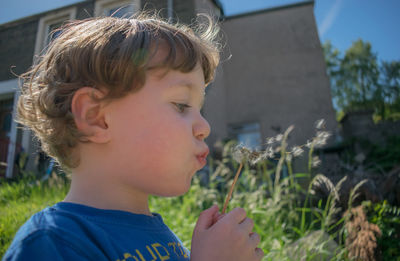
(217, 217)
(206, 218)
(259, 253)
(247, 225)
(254, 239)
(237, 215)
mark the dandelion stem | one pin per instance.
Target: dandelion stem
(232, 187)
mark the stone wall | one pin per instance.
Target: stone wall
(361, 126)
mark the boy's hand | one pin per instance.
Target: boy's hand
(225, 237)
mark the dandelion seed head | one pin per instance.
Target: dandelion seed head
(239, 153)
(254, 156)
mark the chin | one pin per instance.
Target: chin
(176, 192)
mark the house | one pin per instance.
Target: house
(274, 78)
(275, 75)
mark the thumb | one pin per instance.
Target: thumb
(206, 218)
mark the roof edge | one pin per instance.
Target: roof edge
(218, 4)
(271, 9)
(34, 16)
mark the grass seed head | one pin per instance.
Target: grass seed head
(320, 124)
(297, 151)
(316, 161)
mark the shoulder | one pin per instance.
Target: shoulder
(48, 234)
(49, 221)
(43, 244)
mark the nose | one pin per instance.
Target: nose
(201, 128)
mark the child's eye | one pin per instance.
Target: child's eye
(181, 107)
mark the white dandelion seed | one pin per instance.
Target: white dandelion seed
(268, 153)
(255, 157)
(238, 153)
(241, 154)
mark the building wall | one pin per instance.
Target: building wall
(276, 75)
(183, 10)
(17, 44)
(206, 6)
(85, 10)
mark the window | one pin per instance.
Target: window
(247, 134)
(9, 143)
(116, 8)
(6, 107)
(52, 33)
(48, 24)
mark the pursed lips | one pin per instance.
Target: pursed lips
(202, 157)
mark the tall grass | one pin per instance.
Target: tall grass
(21, 199)
(290, 226)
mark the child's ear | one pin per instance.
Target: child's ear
(89, 115)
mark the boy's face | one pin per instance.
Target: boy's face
(157, 143)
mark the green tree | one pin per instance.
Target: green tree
(390, 82)
(359, 82)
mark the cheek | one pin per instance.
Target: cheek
(158, 136)
(170, 133)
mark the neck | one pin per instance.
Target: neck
(96, 191)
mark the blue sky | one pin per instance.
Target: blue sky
(340, 21)
(345, 21)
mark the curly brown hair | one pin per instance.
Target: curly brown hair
(111, 53)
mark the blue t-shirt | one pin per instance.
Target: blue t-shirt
(68, 231)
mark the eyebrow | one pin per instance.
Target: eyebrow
(191, 86)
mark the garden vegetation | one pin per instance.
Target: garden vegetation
(294, 224)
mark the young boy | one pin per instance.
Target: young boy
(117, 103)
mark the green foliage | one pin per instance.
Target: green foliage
(360, 82)
(380, 158)
(21, 199)
(291, 225)
(388, 220)
(385, 156)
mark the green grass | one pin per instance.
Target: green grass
(21, 199)
(274, 212)
(280, 208)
